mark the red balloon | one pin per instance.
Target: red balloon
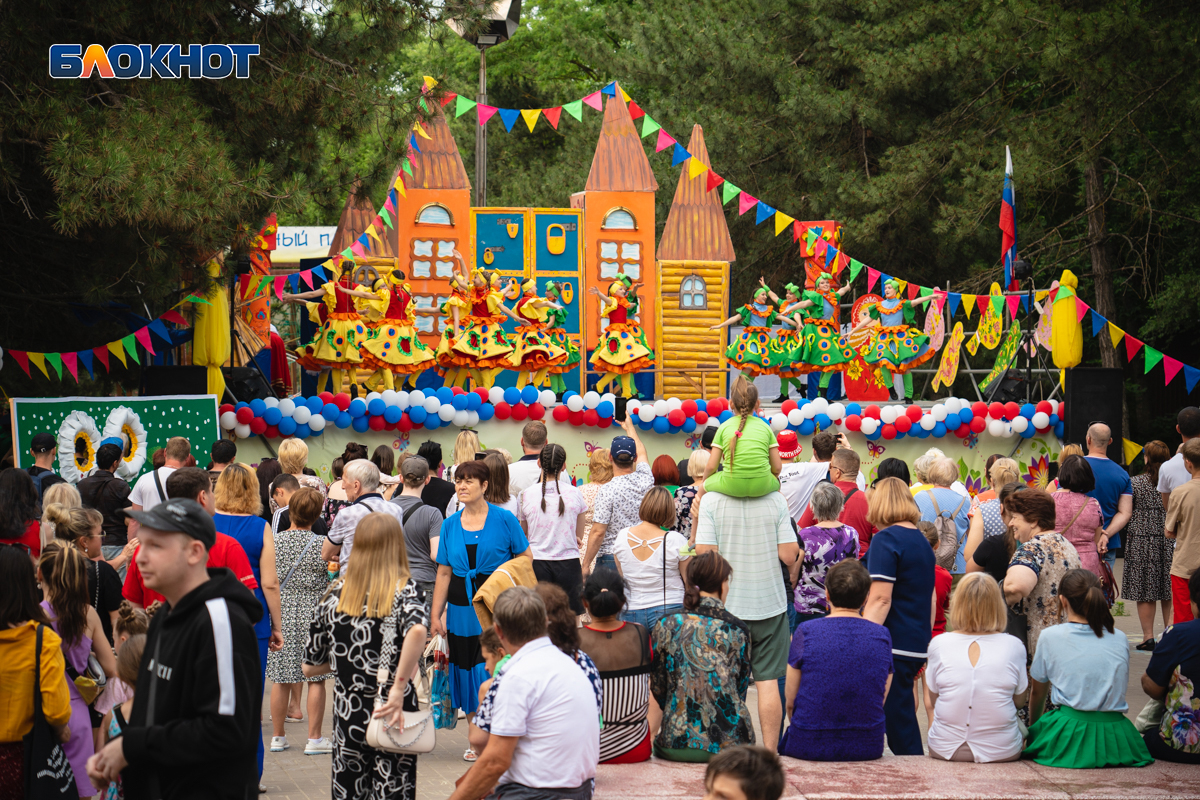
(536, 411)
(979, 409)
(560, 413)
(713, 406)
(904, 424)
(1011, 411)
(326, 397)
(1062, 411)
(962, 431)
(1044, 407)
(520, 412)
(483, 394)
(701, 418)
(229, 407)
(575, 418)
(913, 413)
(871, 411)
(244, 415)
(676, 417)
(257, 426)
(996, 411)
(503, 410)
(604, 422)
(389, 426)
(689, 408)
(376, 423)
(977, 425)
(405, 424)
(342, 401)
(889, 431)
(590, 417)
(788, 406)
(457, 390)
(854, 422)
(272, 432)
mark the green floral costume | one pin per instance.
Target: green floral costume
(751, 352)
(821, 347)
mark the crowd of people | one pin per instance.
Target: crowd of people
(609, 622)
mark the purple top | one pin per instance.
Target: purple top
(823, 547)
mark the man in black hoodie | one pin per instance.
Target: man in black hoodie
(194, 723)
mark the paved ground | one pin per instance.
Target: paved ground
(293, 776)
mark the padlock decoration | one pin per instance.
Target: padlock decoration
(488, 257)
(556, 239)
(567, 292)
(513, 229)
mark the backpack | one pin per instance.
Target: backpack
(947, 530)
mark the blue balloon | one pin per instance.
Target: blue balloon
(1054, 420)
(939, 430)
(702, 405)
(724, 415)
(689, 425)
(272, 416)
(566, 395)
(314, 404)
(529, 395)
(459, 401)
(853, 408)
(344, 419)
(287, 426)
(240, 406)
(952, 422)
(433, 422)
(647, 425)
(823, 421)
(919, 432)
(1029, 432)
(302, 432)
(512, 395)
(1028, 410)
(661, 425)
(473, 401)
(806, 427)
(606, 410)
(330, 412)
(361, 424)
(258, 406)
(875, 436)
(445, 394)
(417, 414)
(486, 411)
(392, 415)
(966, 415)
(376, 407)
(1060, 429)
(358, 408)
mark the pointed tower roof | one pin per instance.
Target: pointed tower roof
(696, 229)
(357, 214)
(438, 164)
(620, 164)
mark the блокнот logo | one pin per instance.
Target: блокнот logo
(214, 61)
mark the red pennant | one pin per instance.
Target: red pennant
(306, 276)
(1132, 346)
(71, 362)
(243, 286)
(101, 354)
(913, 291)
(1014, 302)
(552, 115)
(449, 96)
(22, 359)
(1171, 368)
(143, 337)
(714, 180)
(982, 301)
(635, 110)
(175, 317)
(872, 277)
(798, 231)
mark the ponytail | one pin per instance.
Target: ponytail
(604, 592)
(744, 399)
(552, 460)
(707, 572)
(1083, 593)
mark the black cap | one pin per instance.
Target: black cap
(179, 515)
(43, 443)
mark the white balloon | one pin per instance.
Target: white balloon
(646, 413)
(389, 396)
(271, 402)
(242, 431)
(631, 407)
(496, 395)
(316, 422)
(609, 397)
(1041, 420)
(472, 419)
(887, 415)
(808, 411)
(1008, 431)
(547, 398)
(287, 406)
(1020, 424)
(446, 412)
(778, 422)
(713, 422)
(302, 415)
(591, 400)
(417, 398)
(939, 413)
(869, 425)
(674, 403)
(836, 411)
(661, 408)
(432, 404)
(575, 403)
(460, 417)
(952, 405)
(403, 400)
(928, 422)
(794, 417)
(229, 420)
(373, 396)
(820, 406)
(996, 427)
(1053, 406)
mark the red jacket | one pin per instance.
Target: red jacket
(225, 553)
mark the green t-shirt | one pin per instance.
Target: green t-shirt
(750, 473)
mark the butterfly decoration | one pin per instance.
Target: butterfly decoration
(971, 440)
(692, 442)
(590, 447)
(400, 443)
(875, 449)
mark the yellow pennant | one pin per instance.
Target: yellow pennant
(696, 167)
(1116, 334)
(39, 361)
(1132, 450)
(373, 233)
(968, 301)
(530, 115)
(782, 222)
(399, 186)
(118, 350)
(420, 129)
(430, 82)
(624, 94)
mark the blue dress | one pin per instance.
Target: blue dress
(248, 530)
(473, 556)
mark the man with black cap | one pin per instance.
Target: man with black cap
(43, 448)
(195, 715)
(618, 501)
(108, 494)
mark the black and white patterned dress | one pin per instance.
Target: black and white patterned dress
(1148, 552)
(352, 647)
(298, 601)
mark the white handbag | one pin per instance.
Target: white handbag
(418, 735)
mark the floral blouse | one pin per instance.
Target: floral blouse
(1050, 556)
(684, 497)
(699, 677)
(823, 547)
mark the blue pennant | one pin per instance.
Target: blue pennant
(85, 358)
(953, 299)
(509, 117)
(764, 213)
(830, 255)
(320, 274)
(1191, 375)
(610, 90)
(1098, 323)
(412, 141)
(160, 331)
(1025, 302)
(293, 283)
(395, 198)
(679, 155)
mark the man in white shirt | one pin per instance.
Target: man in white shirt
(1173, 473)
(545, 736)
(360, 481)
(797, 480)
(525, 472)
(151, 488)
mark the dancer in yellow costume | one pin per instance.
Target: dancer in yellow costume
(622, 350)
(536, 352)
(336, 345)
(557, 316)
(787, 340)
(395, 348)
(453, 310)
(483, 348)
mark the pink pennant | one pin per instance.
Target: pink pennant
(71, 362)
(357, 249)
(175, 317)
(143, 337)
(485, 113)
(1014, 301)
(390, 206)
(665, 140)
(746, 202)
(1081, 309)
(872, 278)
(939, 300)
(306, 276)
(1171, 368)
(594, 101)
(1132, 346)
(819, 247)
(279, 283)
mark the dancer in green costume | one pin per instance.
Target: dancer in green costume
(899, 346)
(821, 347)
(786, 340)
(751, 351)
(556, 318)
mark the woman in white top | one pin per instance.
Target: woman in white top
(552, 514)
(649, 558)
(976, 678)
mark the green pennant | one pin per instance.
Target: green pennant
(462, 105)
(348, 253)
(406, 165)
(649, 126)
(925, 291)
(55, 360)
(998, 305)
(423, 105)
(574, 109)
(130, 345)
(728, 192)
(1063, 293)
(386, 217)
(811, 238)
(855, 268)
(263, 283)
(1152, 358)
(191, 298)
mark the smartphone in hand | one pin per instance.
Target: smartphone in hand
(619, 410)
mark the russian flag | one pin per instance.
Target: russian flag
(1008, 224)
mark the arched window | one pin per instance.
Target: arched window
(434, 214)
(693, 293)
(619, 219)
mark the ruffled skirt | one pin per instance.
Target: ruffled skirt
(821, 349)
(752, 351)
(535, 350)
(337, 342)
(622, 350)
(482, 344)
(899, 349)
(393, 345)
(558, 336)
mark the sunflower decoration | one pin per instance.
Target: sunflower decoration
(78, 438)
(124, 423)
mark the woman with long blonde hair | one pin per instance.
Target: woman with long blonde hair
(466, 445)
(600, 472)
(755, 472)
(371, 617)
(83, 528)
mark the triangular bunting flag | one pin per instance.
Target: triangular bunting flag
(746, 202)
(143, 337)
(87, 358)
(728, 192)
(39, 361)
(981, 301)
(913, 291)
(386, 217)
(405, 165)
(1014, 302)
(782, 221)
(424, 105)
(1152, 358)
(374, 234)
(998, 305)
(420, 129)
(665, 140)
(399, 187)
(1132, 450)
(130, 345)
(1097, 322)
(594, 101)
(430, 81)
(191, 298)
(575, 109)
(1171, 368)
(462, 104)
(1025, 302)
(117, 348)
(1190, 376)
(22, 359)
(306, 276)
(509, 117)
(763, 213)
(610, 90)
(855, 268)
(319, 272)
(175, 317)
(696, 167)
(412, 142)
(649, 126)
(830, 254)
(70, 360)
(55, 360)
(530, 115)
(712, 181)
(1081, 308)
(624, 94)
(969, 301)
(1132, 345)
(448, 96)
(635, 111)
(953, 298)
(872, 278)
(679, 155)
(1063, 293)
(924, 291)
(552, 115)
(160, 330)
(243, 286)
(1115, 334)
(485, 113)
(358, 249)
(293, 283)
(797, 229)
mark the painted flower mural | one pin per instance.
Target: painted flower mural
(1038, 473)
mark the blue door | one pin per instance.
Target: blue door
(557, 249)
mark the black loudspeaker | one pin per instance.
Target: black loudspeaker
(246, 384)
(159, 381)
(1093, 394)
(1008, 388)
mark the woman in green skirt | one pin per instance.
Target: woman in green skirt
(751, 350)
(822, 348)
(1084, 664)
